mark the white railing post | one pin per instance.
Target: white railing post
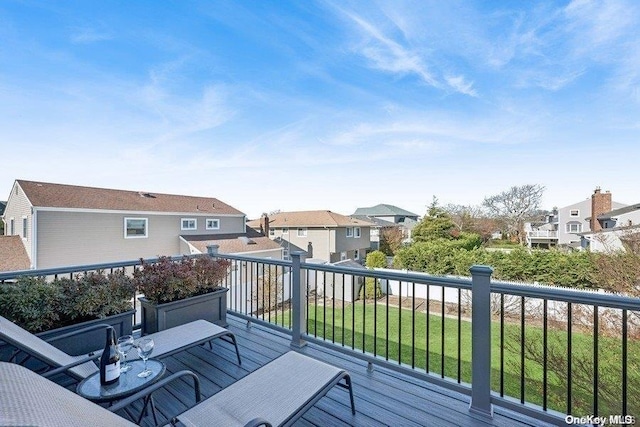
(481, 341)
(298, 301)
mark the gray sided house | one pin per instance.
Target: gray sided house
(61, 225)
(564, 228)
(617, 229)
(404, 219)
(324, 235)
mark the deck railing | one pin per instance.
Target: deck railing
(542, 234)
(539, 350)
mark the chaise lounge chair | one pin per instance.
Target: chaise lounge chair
(276, 394)
(167, 342)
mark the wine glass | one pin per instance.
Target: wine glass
(125, 343)
(145, 347)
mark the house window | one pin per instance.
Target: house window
(285, 255)
(574, 227)
(24, 228)
(349, 231)
(136, 228)
(356, 254)
(213, 224)
(188, 224)
(272, 232)
(285, 231)
(574, 212)
(343, 256)
(302, 232)
(12, 227)
(357, 232)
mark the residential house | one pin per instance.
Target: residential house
(393, 214)
(378, 229)
(614, 230)
(325, 235)
(61, 225)
(564, 226)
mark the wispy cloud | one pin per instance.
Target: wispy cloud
(87, 35)
(396, 56)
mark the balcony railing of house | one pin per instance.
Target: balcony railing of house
(539, 350)
(542, 234)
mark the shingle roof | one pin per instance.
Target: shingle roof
(44, 194)
(14, 255)
(377, 221)
(383, 210)
(251, 241)
(310, 219)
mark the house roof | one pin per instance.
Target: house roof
(14, 255)
(48, 195)
(619, 211)
(310, 219)
(251, 241)
(383, 210)
(377, 221)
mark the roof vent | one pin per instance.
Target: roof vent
(246, 240)
(147, 195)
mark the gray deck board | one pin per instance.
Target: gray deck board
(382, 397)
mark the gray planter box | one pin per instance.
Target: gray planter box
(87, 342)
(211, 307)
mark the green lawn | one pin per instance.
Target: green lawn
(394, 339)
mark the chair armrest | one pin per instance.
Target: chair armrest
(79, 331)
(258, 422)
(71, 365)
(147, 391)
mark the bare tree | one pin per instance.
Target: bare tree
(391, 240)
(514, 206)
(472, 219)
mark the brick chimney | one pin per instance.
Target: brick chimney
(264, 225)
(600, 203)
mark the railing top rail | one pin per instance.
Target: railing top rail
(402, 276)
(9, 275)
(576, 296)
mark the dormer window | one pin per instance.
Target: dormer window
(213, 224)
(188, 224)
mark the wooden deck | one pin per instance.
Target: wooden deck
(382, 397)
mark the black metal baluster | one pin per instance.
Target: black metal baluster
(596, 329)
(386, 341)
(459, 335)
(569, 350)
(501, 345)
(545, 341)
(375, 315)
(413, 325)
(522, 339)
(428, 320)
(624, 362)
(442, 334)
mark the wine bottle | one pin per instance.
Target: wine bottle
(110, 360)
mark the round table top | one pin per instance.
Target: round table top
(128, 384)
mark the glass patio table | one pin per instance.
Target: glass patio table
(128, 384)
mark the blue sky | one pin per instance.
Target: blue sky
(323, 104)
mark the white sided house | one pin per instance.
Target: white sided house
(62, 225)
